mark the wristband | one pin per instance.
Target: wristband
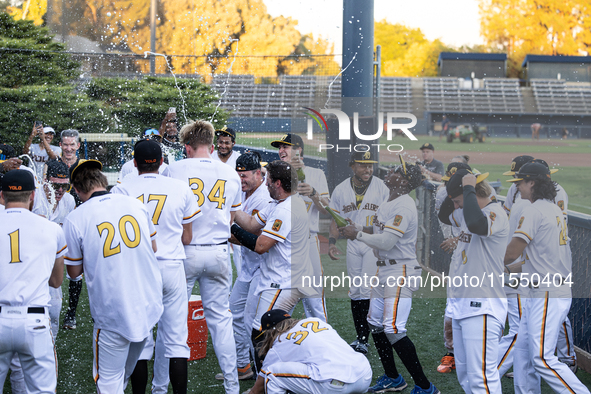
(332, 241)
(313, 193)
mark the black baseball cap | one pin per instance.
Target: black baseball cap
(531, 171)
(552, 170)
(147, 152)
(289, 139)
(6, 152)
(18, 181)
(83, 163)
(427, 145)
(452, 168)
(249, 161)
(411, 172)
(271, 318)
(57, 169)
(517, 163)
(363, 158)
(226, 132)
(454, 185)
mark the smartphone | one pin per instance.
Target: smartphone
(172, 110)
(38, 123)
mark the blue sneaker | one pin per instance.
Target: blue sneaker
(432, 390)
(385, 384)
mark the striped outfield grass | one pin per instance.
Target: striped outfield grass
(425, 328)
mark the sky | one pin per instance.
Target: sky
(455, 22)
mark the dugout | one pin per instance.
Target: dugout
(472, 65)
(566, 68)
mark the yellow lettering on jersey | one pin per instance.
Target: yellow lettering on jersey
(563, 237)
(217, 193)
(161, 198)
(107, 249)
(137, 236)
(15, 255)
(141, 198)
(293, 335)
(314, 326)
(369, 220)
(464, 257)
(197, 191)
(308, 205)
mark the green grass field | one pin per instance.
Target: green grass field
(425, 328)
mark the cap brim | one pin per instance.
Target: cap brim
(481, 177)
(514, 180)
(263, 163)
(553, 170)
(445, 178)
(275, 144)
(509, 173)
(365, 161)
(86, 163)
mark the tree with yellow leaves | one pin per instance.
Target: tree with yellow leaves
(31, 10)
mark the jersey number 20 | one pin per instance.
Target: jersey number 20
(108, 249)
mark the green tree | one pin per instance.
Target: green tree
(31, 57)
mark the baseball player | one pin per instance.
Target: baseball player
(542, 234)
(216, 187)
(32, 253)
(294, 364)
(451, 235)
(129, 169)
(358, 198)
(226, 139)
(242, 299)
(393, 238)
(478, 310)
(286, 272)
(173, 208)
(111, 239)
(314, 191)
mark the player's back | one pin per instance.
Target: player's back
(216, 187)
(170, 203)
(111, 235)
(29, 246)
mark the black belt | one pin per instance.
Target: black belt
(382, 263)
(221, 243)
(36, 309)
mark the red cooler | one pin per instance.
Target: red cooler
(197, 339)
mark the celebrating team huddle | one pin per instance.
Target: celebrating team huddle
(142, 247)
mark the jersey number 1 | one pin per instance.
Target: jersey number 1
(15, 255)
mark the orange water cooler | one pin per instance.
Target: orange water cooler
(197, 339)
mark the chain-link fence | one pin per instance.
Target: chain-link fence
(432, 256)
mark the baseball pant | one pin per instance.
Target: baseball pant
(476, 342)
(284, 377)
(316, 306)
(243, 306)
(285, 299)
(28, 335)
(171, 337)
(542, 317)
(507, 342)
(448, 334)
(565, 348)
(361, 263)
(114, 359)
(208, 264)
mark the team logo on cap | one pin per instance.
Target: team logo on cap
(397, 220)
(513, 165)
(425, 145)
(277, 225)
(15, 188)
(520, 222)
(366, 156)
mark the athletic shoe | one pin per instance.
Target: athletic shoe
(387, 384)
(354, 344)
(509, 375)
(69, 322)
(362, 348)
(572, 364)
(448, 363)
(243, 373)
(431, 390)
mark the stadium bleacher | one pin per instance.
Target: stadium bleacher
(558, 96)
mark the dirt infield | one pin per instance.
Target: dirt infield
(553, 159)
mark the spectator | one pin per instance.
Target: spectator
(445, 123)
(42, 151)
(431, 168)
(169, 130)
(535, 131)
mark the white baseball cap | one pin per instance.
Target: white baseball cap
(48, 129)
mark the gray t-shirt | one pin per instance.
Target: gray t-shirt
(435, 166)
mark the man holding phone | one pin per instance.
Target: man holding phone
(42, 151)
(169, 130)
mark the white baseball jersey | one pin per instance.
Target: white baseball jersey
(543, 227)
(29, 245)
(317, 179)
(171, 204)
(40, 157)
(288, 261)
(251, 261)
(399, 217)
(43, 207)
(301, 344)
(561, 198)
(217, 188)
(129, 171)
(231, 160)
(481, 258)
(110, 235)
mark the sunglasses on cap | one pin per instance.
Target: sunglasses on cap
(151, 132)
